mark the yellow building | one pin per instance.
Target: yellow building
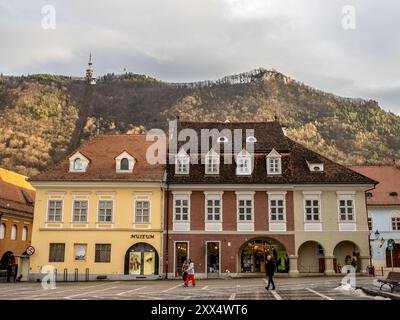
(98, 213)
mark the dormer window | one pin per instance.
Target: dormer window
(182, 163)
(243, 161)
(315, 166)
(212, 162)
(124, 163)
(251, 139)
(274, 163)
(222, 140)
(78, 162)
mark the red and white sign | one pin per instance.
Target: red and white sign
(30, 250)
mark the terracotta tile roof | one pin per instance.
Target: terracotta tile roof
(389, 182)
(294, 166)
(101, 151)
(14, 198)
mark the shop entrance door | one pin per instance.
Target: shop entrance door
(141, 260)
(181, 256)
(213, 259)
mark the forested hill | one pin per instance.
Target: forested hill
(44, 117)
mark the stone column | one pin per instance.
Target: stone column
(364, 262)
(329, 269)
(293, 271)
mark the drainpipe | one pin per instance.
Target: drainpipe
(167, 234)
(369, 231)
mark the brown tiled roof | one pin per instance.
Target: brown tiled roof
(101, 151)
(294, 166)
(389, 181)
(15, 199)
(269, 135)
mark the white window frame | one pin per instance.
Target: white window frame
(245, 225)
(276, 196)
(135, 211)
(345, 196)
(245, 197)
(212, 157)
(14, 232)
(24, 236)
(395, 215)
(312, 196)
(73, 210)
(243, 157)
(48, 212)
(181, 225)
(84, 161)
(2, 231)
(184, 158)
(98, 211)
(274, 158)
(131, 162)
(212, 196)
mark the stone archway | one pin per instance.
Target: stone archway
(6, 259)
(311, 257)
(252, 255)
(344, 253)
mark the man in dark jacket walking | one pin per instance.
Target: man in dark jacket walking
(269, 270)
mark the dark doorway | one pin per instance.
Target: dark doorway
(396, 257)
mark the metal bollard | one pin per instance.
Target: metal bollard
(65, 274)
(87, 274)
(76, 275)
(55, 274)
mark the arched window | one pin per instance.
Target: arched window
(24, 233)
(124, 164)
(2, 231)
(78, 164)
(14, 232)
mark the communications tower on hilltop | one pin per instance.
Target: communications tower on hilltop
(89, 72)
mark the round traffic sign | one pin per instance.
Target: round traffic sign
(30, 250)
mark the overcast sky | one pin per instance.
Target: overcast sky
(189, 40)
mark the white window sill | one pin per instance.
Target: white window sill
(312, 226)
(213, 226)
(347, 226)
(277, 226)
(181, 226)
(245, 226)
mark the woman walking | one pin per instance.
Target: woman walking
(269, 270)
(190, 274)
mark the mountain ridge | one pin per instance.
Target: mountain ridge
(43, 117)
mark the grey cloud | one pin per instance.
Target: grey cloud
(188, 40)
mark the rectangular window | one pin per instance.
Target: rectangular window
(277, 208)
(103, 252)
(142, 211)
(80, 211)
(369, 223)
(182, 165)
(212, 165)
(56, 252)
(274, 165)
(181, 208)
(54, 213)
(213, 208)
(312, 209)
(245, 208)
(243, 165)
(346, 210)
(395, 223)
(105, 210)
